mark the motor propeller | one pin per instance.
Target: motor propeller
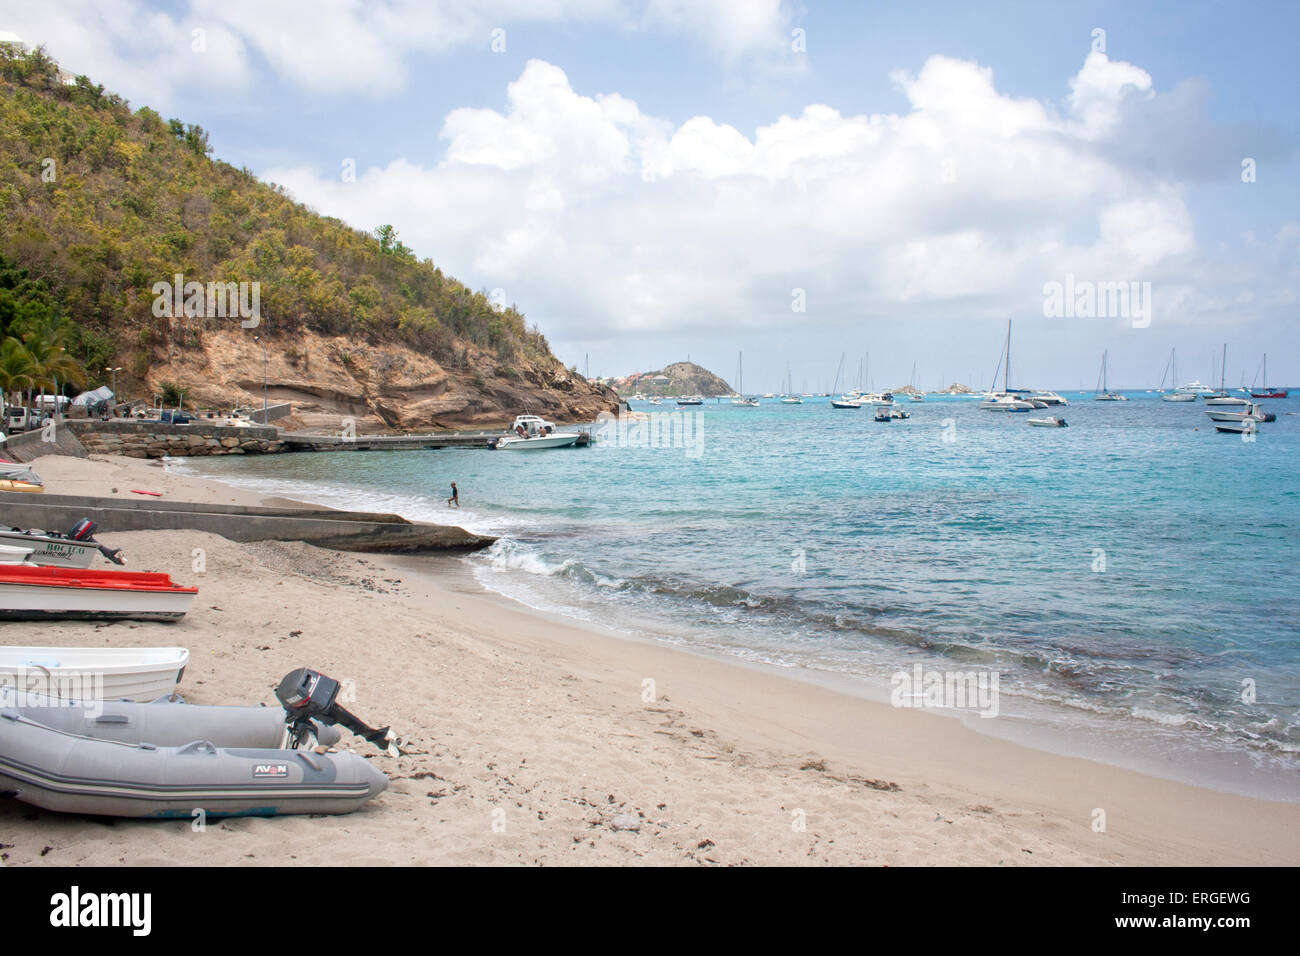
(308, 695)
(84, 530)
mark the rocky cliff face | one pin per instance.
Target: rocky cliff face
(382, 387)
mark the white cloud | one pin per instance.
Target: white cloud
(597, 216)
(358, 47)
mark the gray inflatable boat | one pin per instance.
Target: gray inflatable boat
(166, 759)
(72, 773)
(163, 723)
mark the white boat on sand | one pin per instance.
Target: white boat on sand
(120, 673)
(29, 593)
(76, 549)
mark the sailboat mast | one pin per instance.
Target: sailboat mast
(1006, 372)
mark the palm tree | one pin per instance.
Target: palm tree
(45, 339)
(17, 369)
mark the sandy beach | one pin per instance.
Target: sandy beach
(529, 739)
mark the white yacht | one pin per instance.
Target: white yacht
(530, 432)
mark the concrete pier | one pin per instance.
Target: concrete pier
(324, 527)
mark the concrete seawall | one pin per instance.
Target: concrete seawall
(326, 528)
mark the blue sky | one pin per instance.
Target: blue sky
(622, 172)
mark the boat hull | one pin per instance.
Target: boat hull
(563, 440)
(69, 773)
(30, 593)
(45, 550)
(163, 723)
(129, 673)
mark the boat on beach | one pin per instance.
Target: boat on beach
(76, 549)
(71, 773)
(121, 673)
(30, 593)
(15, 477)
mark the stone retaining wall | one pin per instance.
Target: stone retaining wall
(154, 439)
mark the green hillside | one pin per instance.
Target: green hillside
(99, 201)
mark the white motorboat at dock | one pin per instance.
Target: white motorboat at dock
(532, 432)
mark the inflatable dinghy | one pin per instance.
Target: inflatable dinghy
(163, 723)
(72, 773)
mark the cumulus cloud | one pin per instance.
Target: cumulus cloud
(350, 47)
(600, 216)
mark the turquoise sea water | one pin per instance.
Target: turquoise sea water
(1131, 578)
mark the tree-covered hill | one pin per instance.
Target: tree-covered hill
(98, 202)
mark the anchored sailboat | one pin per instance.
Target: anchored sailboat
(1104, 394)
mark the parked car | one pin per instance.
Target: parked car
(19, 419)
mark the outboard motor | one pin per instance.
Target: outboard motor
(84, 530)
(309, 695)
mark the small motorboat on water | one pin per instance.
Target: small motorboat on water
(691, 400)
(1004, 402)
(76, 549)
(125, 673)
(1054, 422)
(531, 432)
(883, 414)
(1249, 412)
(166, 760)
(29, 593)
(1246, 427)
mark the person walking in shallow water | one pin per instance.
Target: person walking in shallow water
(455, 496)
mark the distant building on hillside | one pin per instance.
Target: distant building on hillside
(11, 39)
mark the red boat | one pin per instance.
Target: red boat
(1264, 390)
(29, 593)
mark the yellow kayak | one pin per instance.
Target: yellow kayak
(9, 485)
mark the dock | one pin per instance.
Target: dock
(305, 441)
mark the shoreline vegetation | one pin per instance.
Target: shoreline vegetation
(531, 739)
(129, 256)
